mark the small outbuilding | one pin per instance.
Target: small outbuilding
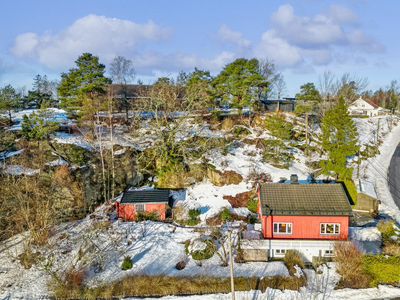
(143, 201)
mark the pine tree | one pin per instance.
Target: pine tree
(338, 140)
(278, 127)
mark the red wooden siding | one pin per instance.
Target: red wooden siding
(127, 211)
(305, 227)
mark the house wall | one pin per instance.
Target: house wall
(262, 250)
(127, 211)
(305, 227)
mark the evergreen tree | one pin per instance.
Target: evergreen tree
(310, 95)
(278, 127)
(83, 87)
(238, 82)
(338, 140)
(9, 101)
(39, 125)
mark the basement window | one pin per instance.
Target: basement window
(139, 207)
(280, 251)
(330, 228)
(328, 253)
(283, 228)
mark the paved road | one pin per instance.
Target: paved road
(394, 176)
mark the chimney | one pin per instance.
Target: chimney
(294, 178)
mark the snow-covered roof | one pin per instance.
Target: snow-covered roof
(366, 187)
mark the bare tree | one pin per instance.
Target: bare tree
(351, 86)
(326, 85)
(268, 70)
(122, 70)
(279, 86)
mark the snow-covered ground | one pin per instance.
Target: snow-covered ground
(157, 247)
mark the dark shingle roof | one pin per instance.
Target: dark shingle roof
(304, 199)
(148, 196)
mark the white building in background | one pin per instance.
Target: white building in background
(366, 108)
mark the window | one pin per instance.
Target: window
(139, 207)
(330, 228)
(283, 228)
(280, 251)
(328, 252)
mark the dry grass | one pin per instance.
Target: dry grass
(350, 266)
(291, 259)
(391, 249)
(145, 286)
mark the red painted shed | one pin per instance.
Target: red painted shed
(145, 201)
(303, 210)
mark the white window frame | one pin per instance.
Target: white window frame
(323, 227)
(139, 206)
(280, 251)
(287, 225)
(329, 253)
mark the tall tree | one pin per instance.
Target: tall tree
(9, 101)
(279, 86)
(199, 84)
(122, 70)
(238, 81)
(338, 140)
(310, 96)
(84, 86)
(268, 70)
(350, 86)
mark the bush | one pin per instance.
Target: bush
(252, 205)
(194, 213)
(127, 263)
(151, 216)
(207, 253)
(180, 265)
(391, 249)
(291, 259)
(216, 113)
(225, 215)
(28, 258)
(251, 219)
(382, 269)
(350, 266)
(388, 230)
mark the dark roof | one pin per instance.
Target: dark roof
(148, 196)
(139, 91)
(304, 199)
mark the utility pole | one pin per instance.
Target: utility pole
(231, 265)
(377, 135)
(359, 159)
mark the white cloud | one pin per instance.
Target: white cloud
(99, 35)
(297, 41)
(235, 37)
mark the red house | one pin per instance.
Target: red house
(303, 211)
(144, 201)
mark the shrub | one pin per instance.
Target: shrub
(252, 205)
(142, 216)
(350, 266)
(215, 113)
(206, 253)
(251, 219)
(225, 215)
(291, 259)
(388, 230)
(194, 213)
(382, 269)
(180, 265)
(127, 263)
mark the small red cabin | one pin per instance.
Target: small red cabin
(144, 201)
(303, 210)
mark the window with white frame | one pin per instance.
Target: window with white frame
(328, 252)
(330, 228)
(283, 228)
(280, 251)
(139, 207)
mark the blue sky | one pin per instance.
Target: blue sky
(303, 37)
